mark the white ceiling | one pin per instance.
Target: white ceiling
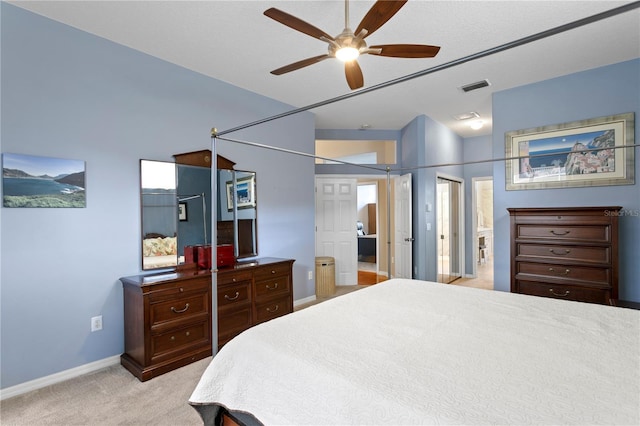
(233, 41)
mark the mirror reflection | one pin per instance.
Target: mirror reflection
(159, 214)
(176, 213)
(237, 214)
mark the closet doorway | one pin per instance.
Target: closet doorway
(449, 229)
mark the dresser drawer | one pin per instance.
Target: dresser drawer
(235, 294)
(273, 287)
(232, 323)
(275, 270)
(600, 276)
(177, 289)
(276, 308)
(174, 342)
(234, 277)
(566, 292)
(190, 307)
(597, 233)
(583, 254)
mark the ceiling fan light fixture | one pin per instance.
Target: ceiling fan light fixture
(346, 54)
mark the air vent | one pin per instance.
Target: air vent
(466, 116)
(474, 86)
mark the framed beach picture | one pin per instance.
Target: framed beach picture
(32, 181)
(593, 152)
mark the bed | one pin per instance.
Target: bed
(417, 352)
(159, 251)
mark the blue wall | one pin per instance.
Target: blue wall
(599, 92)
(479, 149)
(69, 94)
(426, 142)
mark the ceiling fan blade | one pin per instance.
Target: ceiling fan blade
(296, 23)
(406, 50)
(300, 64)
(355, 79)
(379, 13)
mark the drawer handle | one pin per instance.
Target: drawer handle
(273, 310)
(173, 338)
(179, 311)
(188, 333)
(559, 233)
(272, 288)
(273, 271)
(566, 271)
(566, 251)
(566, 293)
(226, 296)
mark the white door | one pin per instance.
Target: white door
(336, 217)
(403, 233)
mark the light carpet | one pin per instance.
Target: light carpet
(110, 397)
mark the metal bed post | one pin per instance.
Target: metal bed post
(214, 241)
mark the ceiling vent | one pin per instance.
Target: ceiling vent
(466, 116)
(474, 86)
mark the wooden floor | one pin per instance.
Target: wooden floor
(368, 278)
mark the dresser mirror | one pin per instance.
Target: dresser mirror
(176, 211)
(159, 212)
(237, 213)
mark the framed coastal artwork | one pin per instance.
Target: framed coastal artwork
(593, 152)
(32, 181)
(245, 193)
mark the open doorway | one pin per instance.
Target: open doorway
(483, 230)
(367, 226)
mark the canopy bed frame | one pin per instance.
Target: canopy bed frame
(420, 340)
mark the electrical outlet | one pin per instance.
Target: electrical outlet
(96, 323)
(310, 275)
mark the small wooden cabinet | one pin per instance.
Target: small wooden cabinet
(167, 316)
(253, 292)
(565, 253)
(167, 320)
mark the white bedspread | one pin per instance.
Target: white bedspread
(416, 352)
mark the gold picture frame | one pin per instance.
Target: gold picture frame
(592, 152)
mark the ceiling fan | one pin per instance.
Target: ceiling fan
(348, 45)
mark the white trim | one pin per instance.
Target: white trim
(58, 377)
(303, 301)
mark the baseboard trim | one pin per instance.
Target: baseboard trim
(58, 377)
(299, 302)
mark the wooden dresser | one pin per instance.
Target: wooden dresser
(167, 316)
(167, 321)
(253, 292)
(565, 253)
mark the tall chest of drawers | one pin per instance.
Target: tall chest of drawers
(565, 253)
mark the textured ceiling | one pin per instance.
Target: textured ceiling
(233, 41)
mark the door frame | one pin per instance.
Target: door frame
(461, 217)
(387, 224)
